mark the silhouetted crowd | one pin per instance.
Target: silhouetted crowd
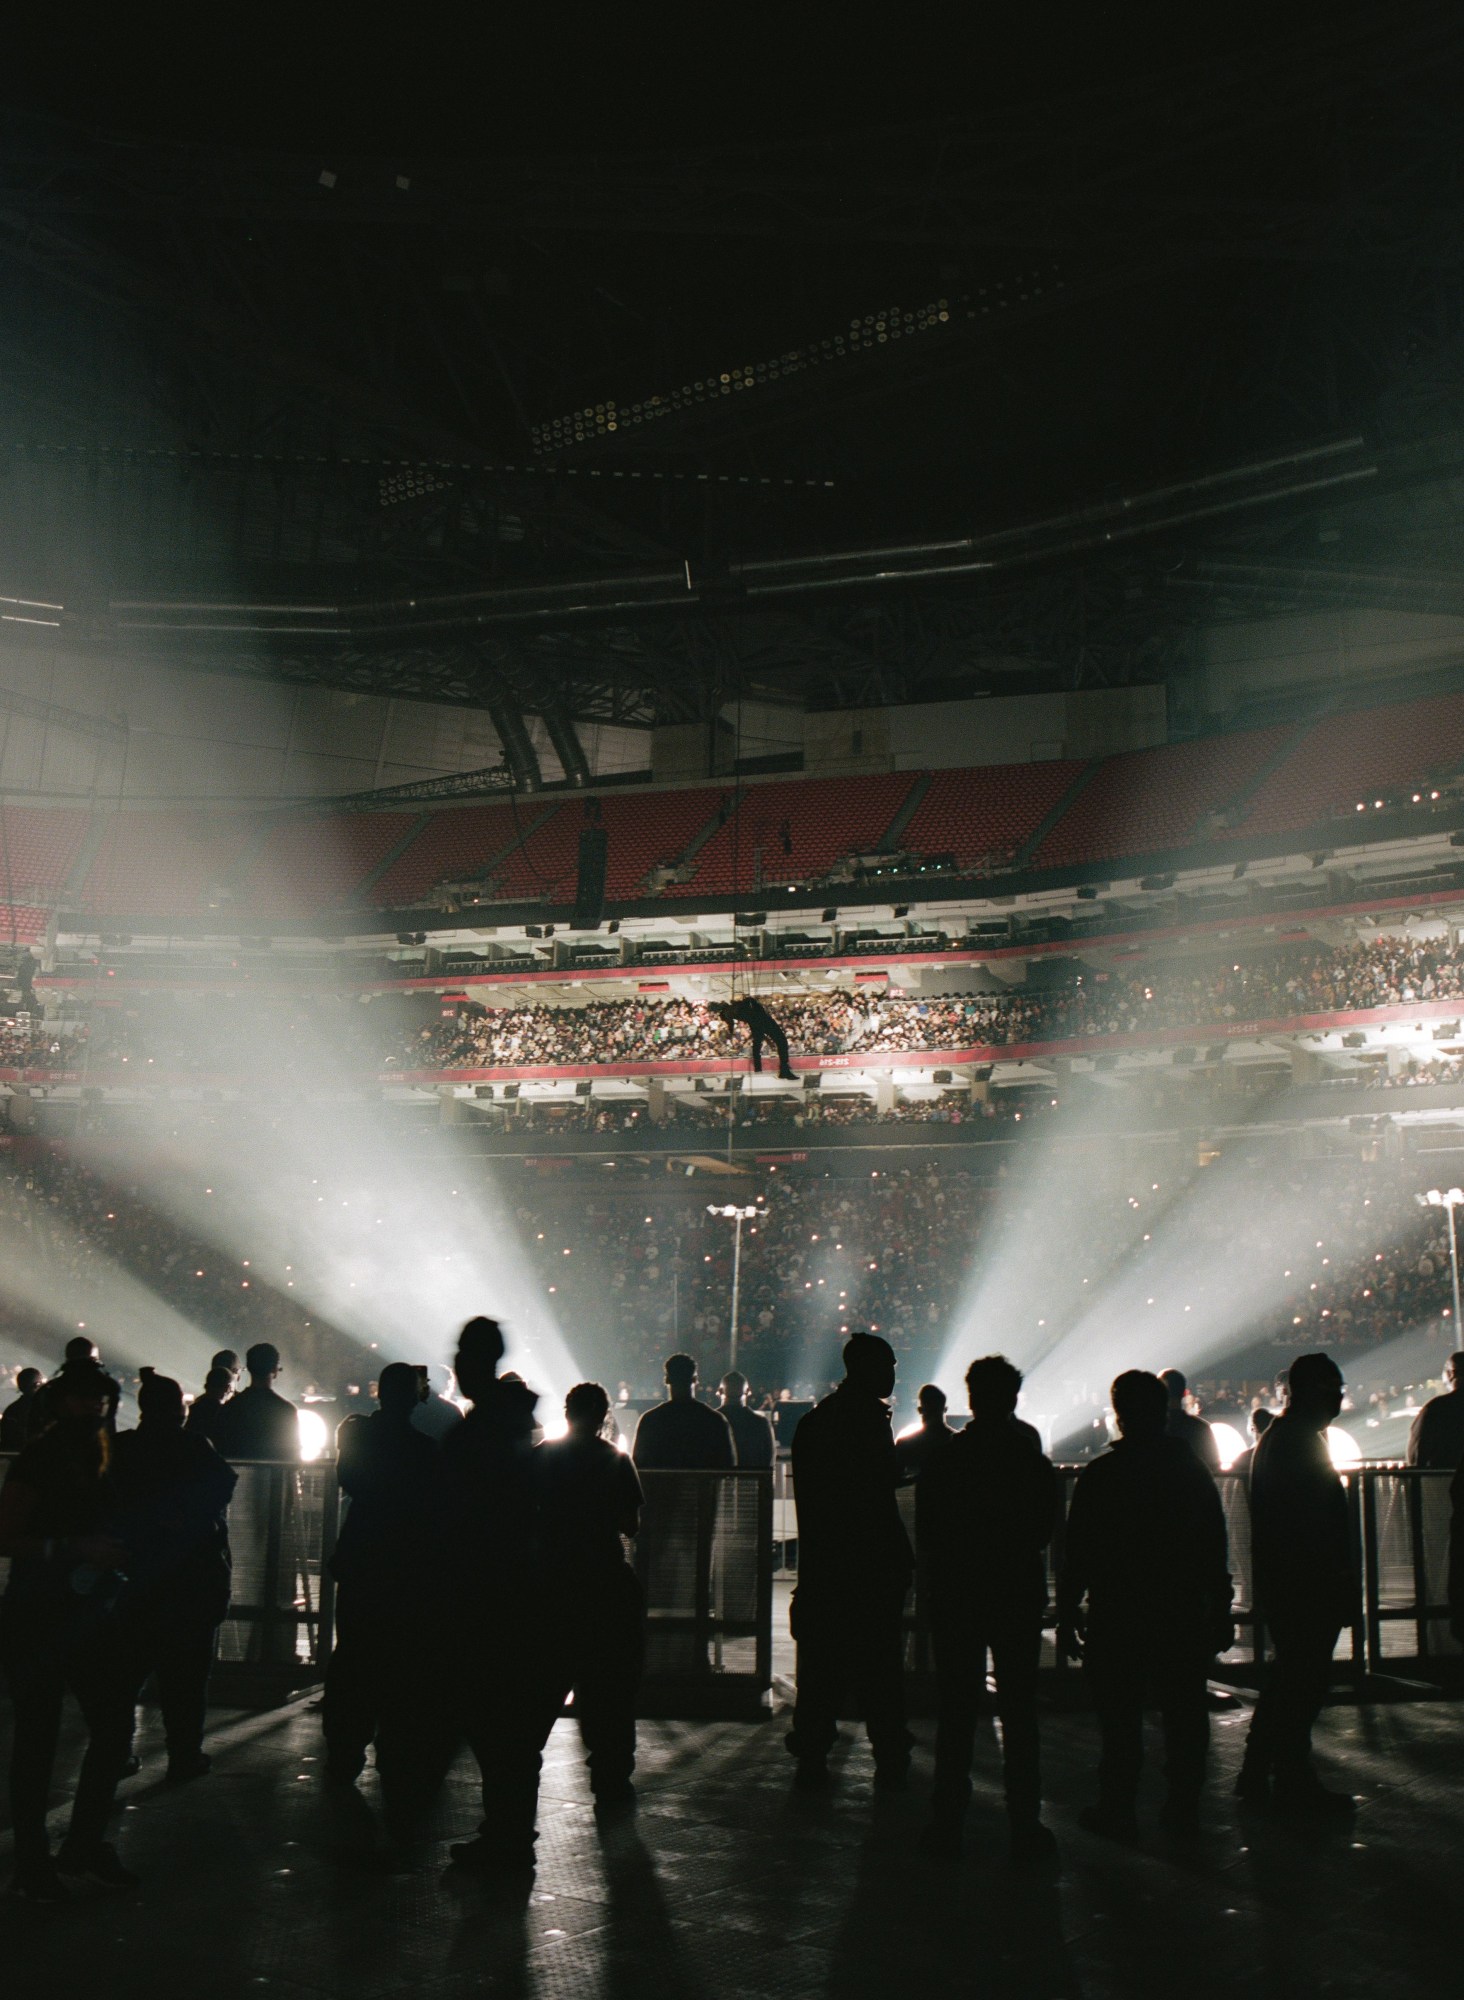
(484, 1581)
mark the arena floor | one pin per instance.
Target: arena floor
(259, 1881)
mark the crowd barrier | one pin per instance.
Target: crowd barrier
(704, 1557)
(1398, 1522)
(711, 1544)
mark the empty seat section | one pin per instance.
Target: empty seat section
(314, 864)
(649, 830)
(453, 846)
(38, 850)
(795, 832)
(1143, 801)
(1353, 759)
(985, 815)
(544, 866)
(19, 925)
(163, 863)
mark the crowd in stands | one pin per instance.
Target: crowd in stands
(894, 1249)
(222, 1037)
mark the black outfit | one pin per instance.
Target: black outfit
(1196, 1433)
(1305, 1587)
(678, 1535)
(915, 1454)
(57, 1634)
(206, 1419)
(854, 1569)
(988, 1502)
(1456, 1554)
(589, 1507)
(752, 1437)
(1437, 1434)
(168, 1494)
(496, 1630)
(16, 1424)
(389, 1596)
(1146, 1546)
(682, 1435)
(256, 1423)
(754, 1016)
(46, 1403)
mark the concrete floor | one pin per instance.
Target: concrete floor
(258, 1881)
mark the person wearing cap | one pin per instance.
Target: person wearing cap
(169, 1493)
(57, 1636)
(854, 1569)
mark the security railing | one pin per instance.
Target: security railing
(711, 1544)
(1399, 1525)
(704, 1557)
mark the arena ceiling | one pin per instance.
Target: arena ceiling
(844, 395)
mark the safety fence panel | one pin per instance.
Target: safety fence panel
(1399, 1524)
(1406, 1525)
(282, 1528)
(704, 1556)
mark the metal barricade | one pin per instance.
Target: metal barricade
(282, 1528)
(704, 1556)
(1399, 1521)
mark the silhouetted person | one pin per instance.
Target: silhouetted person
(763, 1028)
(206, 1411)
(1456, 1555)
(1437, 1436)
(436, 1414)
(917, 1450)
(594, 1638)
(80, 1355)
(1178, 1423)
(988, 1501)
(752, 1434)
(56, 1635)
(258, 1423)
(390, 1586)
(15, 1424)
(1261, 1420)
(168, 1493)
(497, 1638)
(854, 1568)
(228, 1360)
(1305, 1588)
(1146, 1549)
(681, 1434)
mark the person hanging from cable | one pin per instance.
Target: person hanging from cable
(754, 1016)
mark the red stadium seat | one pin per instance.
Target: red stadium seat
(1143, 801)
(822, 819)
(985, 815)
(1356, 758)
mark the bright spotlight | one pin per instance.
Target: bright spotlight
(1344, 1449)
(1228, 1442)
(314, 1435)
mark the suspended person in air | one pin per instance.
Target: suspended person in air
(754, 1016)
